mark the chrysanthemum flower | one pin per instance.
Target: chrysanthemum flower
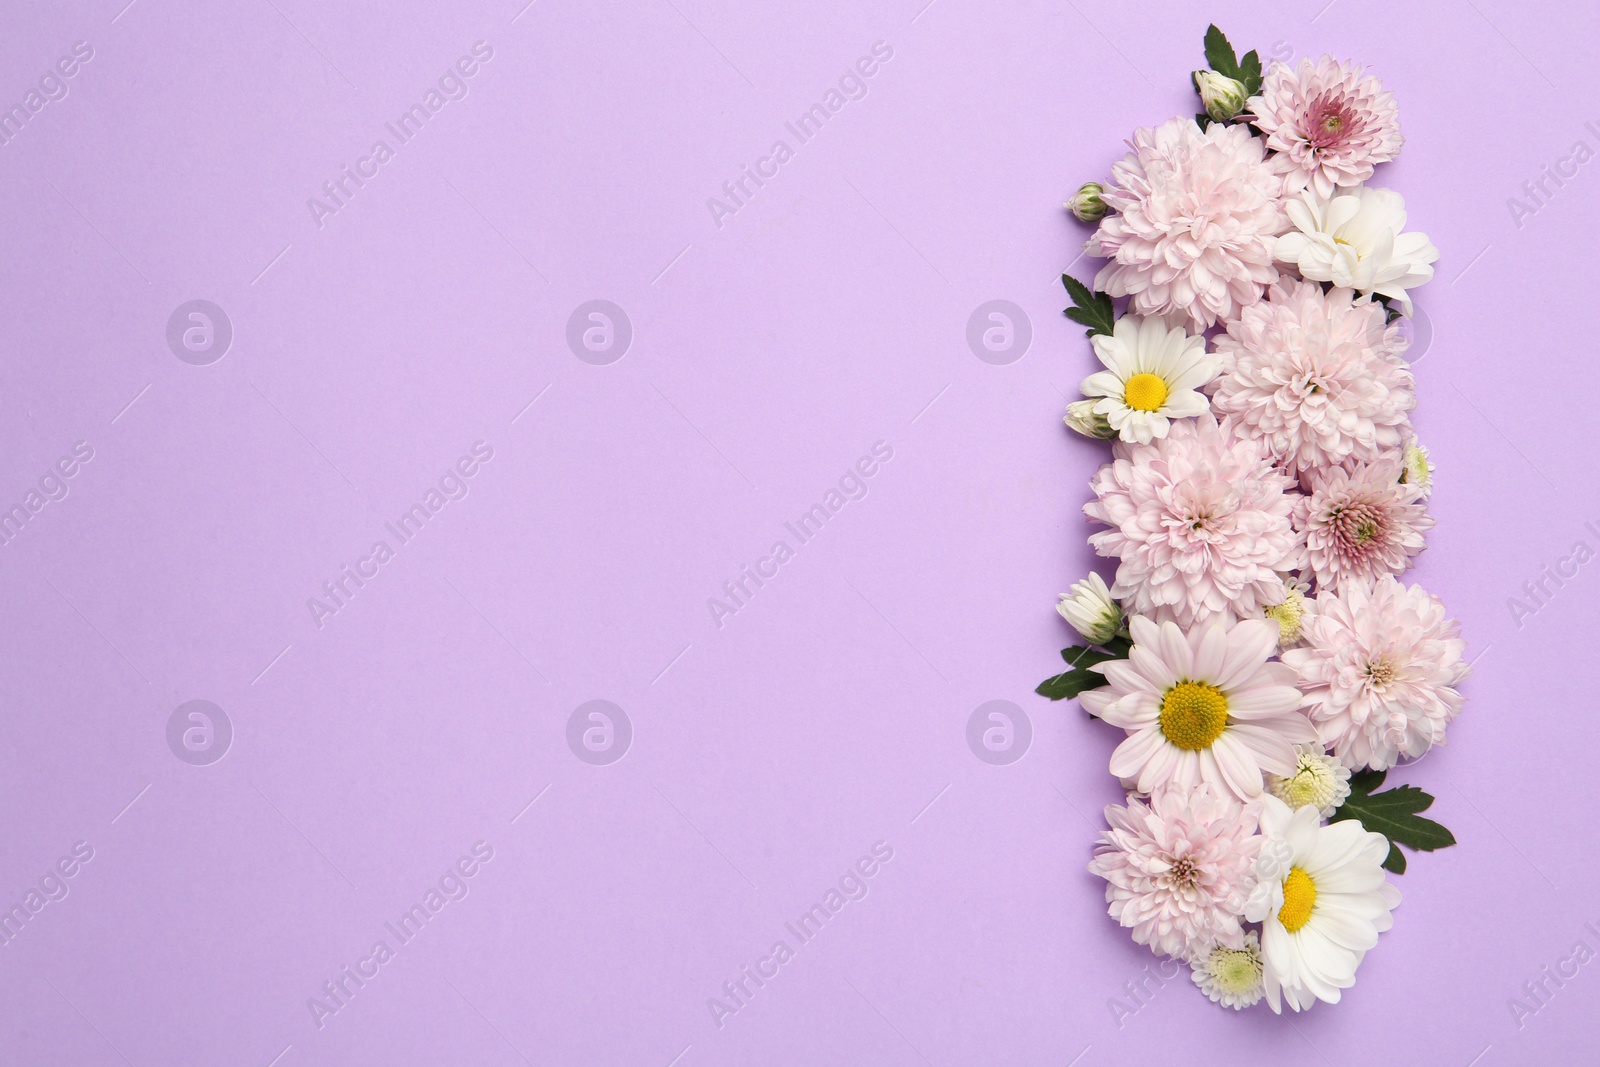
(1418, 469)
(1317, 376)
(1356, 241)
(1318, 779)
(1179, 870)
(1201, 522)
(1230, 976)
(1197, 217)
(1379, 670)
(1291, 614)
(1322, 900)
(1328, 123)
(1206, 707)
(1361, 522)
(1151, 376)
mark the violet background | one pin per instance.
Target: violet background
(767, 356)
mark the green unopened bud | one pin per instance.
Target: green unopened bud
(1223, 97)
(1082, 417)
(1086, 204)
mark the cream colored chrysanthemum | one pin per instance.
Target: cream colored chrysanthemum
(1318, 780)
(1231, 976)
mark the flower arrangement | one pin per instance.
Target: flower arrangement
(1264, 494)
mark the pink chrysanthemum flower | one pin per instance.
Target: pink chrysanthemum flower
(1179, 870)
(1202, 707)
(1196, 222)
(1361, 522)
(1379, 670)
(1201, 522)
(1329, 124)
(1317, 376)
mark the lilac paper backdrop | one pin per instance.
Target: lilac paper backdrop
(441, 305)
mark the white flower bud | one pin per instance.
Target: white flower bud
(1086, 204)
(1091, 611)
(1223, 97)
(1081, 417)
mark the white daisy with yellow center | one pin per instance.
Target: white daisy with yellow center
(1205, 706)
(1321, 899)
(1152, 376)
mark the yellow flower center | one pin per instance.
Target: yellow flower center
(1299, 897)
(1145, 392)
(1193, 715)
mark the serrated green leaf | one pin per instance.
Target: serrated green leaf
(1118, 646)
(1093, 309)
(1079, 656)
(1219, 53)
(1394, 813)
(1250, 73)
(1070, 683)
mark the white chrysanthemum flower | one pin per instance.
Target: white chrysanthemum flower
(1318, 780)
(1231, 976)
(1151, 377)
(1317, 376)
(1291, 614)
(1201, 522)
(1379, 671)
(1202, 707)
(1322, 900)
(1197, 216)
(1356, 241)
(1091, 611)
(1417, 469)
(1179, 870)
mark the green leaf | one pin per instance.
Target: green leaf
(1394, 813)
(1219, 53)
(1069, 684)
(1092, 309)
(1202, 120)
(1250, 73)
(1079, 677)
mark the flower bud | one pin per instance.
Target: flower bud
(1417, 469)
(1082, 417)
(1091, 611)
(1086, 204)
(1223, 97)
